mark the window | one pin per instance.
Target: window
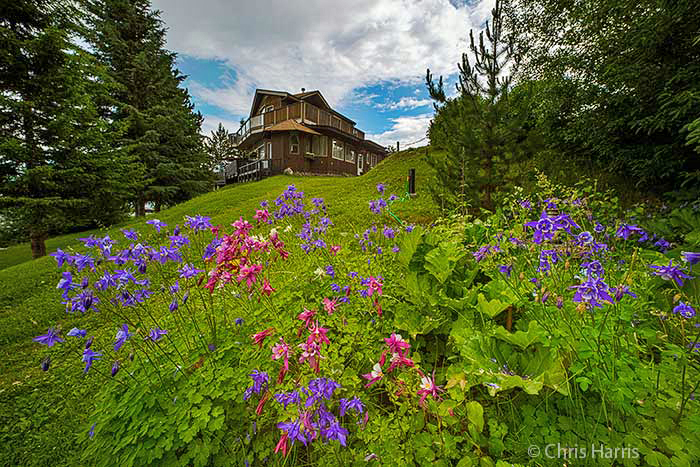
(269, 150)
(337, 150)
(269, 108)
(294, 143)
(260, 152)
(350, 155)
(318, 146)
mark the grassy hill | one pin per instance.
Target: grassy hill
(40, 412)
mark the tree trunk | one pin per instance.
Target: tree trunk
(38, 241)
(140, 207)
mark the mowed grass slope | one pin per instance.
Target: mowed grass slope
(43, 414)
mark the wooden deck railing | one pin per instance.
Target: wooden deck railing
(308, 113)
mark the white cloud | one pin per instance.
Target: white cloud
(405, 103)
(406, 130)
(335, 46)
(211, 123)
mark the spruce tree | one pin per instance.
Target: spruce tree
(58, 169)
(481, 133)
(219, 147)
(162, 129)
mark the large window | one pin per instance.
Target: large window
(349, 154)
(260, 152)
(319, 145)
(294, 143)
(338, 150)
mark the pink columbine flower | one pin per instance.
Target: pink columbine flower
(307, 317)
(399, 359)
(330, 305)
(396, 343)
(267, 288)
(242, 227)
(261, 215)
(311, 353)
(215, 230)
(281, 350)
(259, 338)
(374, 286)
(428, 387)
(282, 444)
(335, 249)
(375, 375)
(378, 307)
(261, 404)
(249, 273)
(318, 335)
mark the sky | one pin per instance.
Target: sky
(367, 57)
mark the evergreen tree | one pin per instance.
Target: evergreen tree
(481, 133)
(162, 129)
(219, 147)
(618, 84)
(58, 168)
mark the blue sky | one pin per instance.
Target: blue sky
(367, 57)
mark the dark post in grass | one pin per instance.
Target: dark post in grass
(412, 182)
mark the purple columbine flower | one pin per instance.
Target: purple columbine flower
(156, 334)
(395, 249)
(188, 271)
(286, 398)
(66, 282)
(685, 310)
(335, 431)
(115, 367)
(671, 272)
(584, 238)
(75, 332)
(157, 224)
(294, 430)
(380, 188)
(692, 258)
(664, 246)
(260, 381)
(625, 230)
(239, 321)
(50, 338)
(355, 404)
(89, 357)
(621, 291)
(592, 292)
(505, 269)
(173, 305)
(198, 223)
(330, 271)
(61, 257)
(544, 228)
(131, 234)
(91, 433)
(594, 269)
(122, 336)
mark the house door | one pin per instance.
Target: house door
(360, 160)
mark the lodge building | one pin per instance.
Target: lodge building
(303, 133)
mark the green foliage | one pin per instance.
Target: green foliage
(59, 168)
(482, 130)
(616, 84)
(162, 128)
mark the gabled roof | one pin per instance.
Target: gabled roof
(292, 125)
(298, 97)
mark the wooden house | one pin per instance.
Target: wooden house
(303, 133)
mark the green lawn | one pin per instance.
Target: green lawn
(42, 415)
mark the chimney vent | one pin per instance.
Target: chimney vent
(303, 89)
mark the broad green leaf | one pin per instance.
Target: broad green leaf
(475, 412)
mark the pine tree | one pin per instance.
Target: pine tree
(163, 131)
(219, 147)
(482, 135)
(58, 168)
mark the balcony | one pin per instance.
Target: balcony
(301, 111)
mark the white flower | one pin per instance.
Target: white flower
(377, 371)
